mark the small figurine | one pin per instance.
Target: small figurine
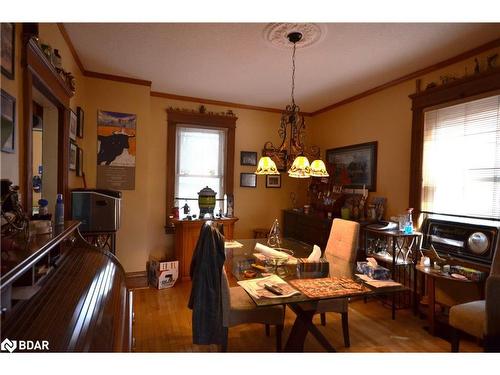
(202, 109)
(492, 61)
(476, 66)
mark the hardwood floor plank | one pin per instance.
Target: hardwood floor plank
(163, 324)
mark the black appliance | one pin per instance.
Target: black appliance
(97, 209)
(471, 240)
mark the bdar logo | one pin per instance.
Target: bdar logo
(8, 345)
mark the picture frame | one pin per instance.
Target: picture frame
(279, 157)
(8, 122)
(248, 158)
(73, 123)
(354, 166)
(8, 49)
(79, 161)
(248, 180)
(73, 151)
(273, 181)
(80, 117)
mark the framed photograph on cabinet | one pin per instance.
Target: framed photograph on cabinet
(79, 161)
(8, 49)
(273, 181)
(73, 123)
(8, 116)
(80, 119)
(354, 166)
(73, 151)
(248, 158)
(248, 180)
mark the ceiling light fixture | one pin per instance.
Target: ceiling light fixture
(292, 146)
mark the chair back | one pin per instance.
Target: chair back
(342, 247)
(226, 298)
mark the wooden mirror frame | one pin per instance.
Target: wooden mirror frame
(469, 88)
(38, 72)
(176, 117)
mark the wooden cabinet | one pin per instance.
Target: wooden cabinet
(186, 236)
(311, 229)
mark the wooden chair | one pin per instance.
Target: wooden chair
(481, 318)
(341, 248)
(238, 308)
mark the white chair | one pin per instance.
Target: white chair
(238, 308)
(341, 248)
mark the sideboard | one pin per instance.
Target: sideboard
(186, 236)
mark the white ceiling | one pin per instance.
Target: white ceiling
(233, 62)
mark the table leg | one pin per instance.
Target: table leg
(302, 325)
(431, 293)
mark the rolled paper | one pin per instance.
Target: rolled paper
(315, 254)
(267, 251)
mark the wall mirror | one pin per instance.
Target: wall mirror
(44, 133)
(46, 130)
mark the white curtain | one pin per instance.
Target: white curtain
(199, 162)
(461, 159)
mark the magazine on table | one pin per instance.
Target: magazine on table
(257, 289)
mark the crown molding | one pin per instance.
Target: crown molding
(217, 102)
(465, 55)
(71, 47)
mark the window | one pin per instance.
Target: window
(461, 159)
(200, 152)
(199, 162)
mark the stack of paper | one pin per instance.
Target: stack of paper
(255, 287)
(378, 283)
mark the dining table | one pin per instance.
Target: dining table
(240, 258)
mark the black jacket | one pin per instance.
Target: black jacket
(205, 300)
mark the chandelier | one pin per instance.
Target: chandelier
(292, 133)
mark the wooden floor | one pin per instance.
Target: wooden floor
(163, 324)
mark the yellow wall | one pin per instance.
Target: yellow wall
(48, 33)
(384, 117)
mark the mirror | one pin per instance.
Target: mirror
(45, 135)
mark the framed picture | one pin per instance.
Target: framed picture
(248, 158)
(80, 119)
(279, 157)
(273, 181)
(73, 121)
(72, 156)
(354, 166)
(248, 180)
(8, 45)
(79, 161)
(8, 116)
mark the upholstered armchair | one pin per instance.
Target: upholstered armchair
(480, 318)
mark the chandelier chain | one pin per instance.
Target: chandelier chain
(293, 74)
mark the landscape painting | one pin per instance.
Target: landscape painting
(354, 166)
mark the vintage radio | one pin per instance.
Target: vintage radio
(466, 239)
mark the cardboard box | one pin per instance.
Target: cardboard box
(163, 274)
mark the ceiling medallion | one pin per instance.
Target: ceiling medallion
(277, 34)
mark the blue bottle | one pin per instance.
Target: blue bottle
(59, 212)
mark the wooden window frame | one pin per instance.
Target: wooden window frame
(183, 118)
(463, 90)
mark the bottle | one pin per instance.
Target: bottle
(409, 222)
(59, 212)
(42, 207)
